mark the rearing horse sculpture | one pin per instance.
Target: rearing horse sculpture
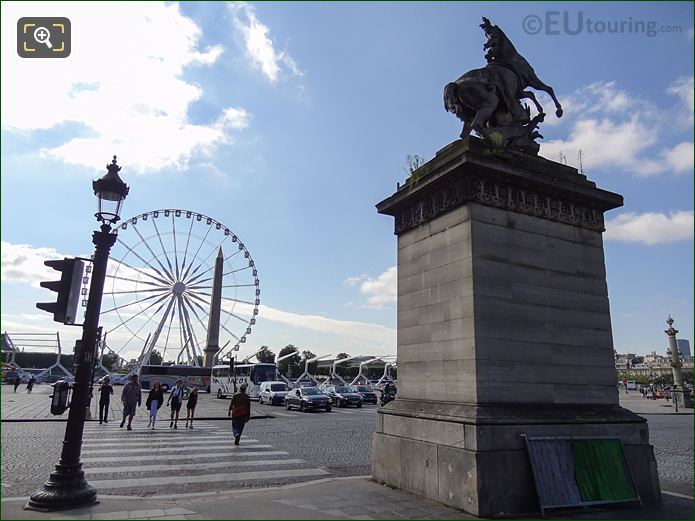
(487, 99)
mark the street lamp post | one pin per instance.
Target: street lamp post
(680, 396)
(67, 487)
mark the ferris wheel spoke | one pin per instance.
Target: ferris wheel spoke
(161, 278)
(188, 241)
(191, 331)
(135, 291)
(139, 281)
(229, 298)
(195, 313)
(223, 286)
(164, 251)
(166, 341)
(135, 302)
(201, 264)
(228, 331)
(142, 326)
(173, 236)
(154, 255)
(244, 320)
(196, 253)
(194, 279)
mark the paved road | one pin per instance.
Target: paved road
(289, 447)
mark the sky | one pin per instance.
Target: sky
(288, 122)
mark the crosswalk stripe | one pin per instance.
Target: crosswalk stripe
(127, 444)
(191, 466)
(220, 436)
(161, 450)
(237, 452)
(205, 478)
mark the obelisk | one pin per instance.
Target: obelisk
(213, 343)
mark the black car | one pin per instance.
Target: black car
(342, 395)
(368, 394)
(307, 398)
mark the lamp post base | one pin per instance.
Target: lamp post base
(66, 488)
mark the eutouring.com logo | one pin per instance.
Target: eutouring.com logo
(554, 23)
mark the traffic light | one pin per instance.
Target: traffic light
(231, 365)
(64, 309)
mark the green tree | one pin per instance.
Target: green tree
(110, 361)
(285, 365)
(155, 357)
(307, 355)
(265, 355)
(342, 355)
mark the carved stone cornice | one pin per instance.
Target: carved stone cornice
(532, 186)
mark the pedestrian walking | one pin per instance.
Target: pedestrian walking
(239, 412)
(190, 406)
(30, 383)
(17, 381)
(131, 397)
(176, 399)
(154, 401)
(105, 392)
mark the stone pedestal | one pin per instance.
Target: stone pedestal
(503, 329)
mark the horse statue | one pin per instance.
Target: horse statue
(487, 100)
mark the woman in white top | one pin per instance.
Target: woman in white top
(176, 399)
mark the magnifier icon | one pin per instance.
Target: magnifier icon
(43, 35)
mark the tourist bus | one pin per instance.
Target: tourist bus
(168, 374)
(222, 381)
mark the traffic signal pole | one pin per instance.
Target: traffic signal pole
(67, 487)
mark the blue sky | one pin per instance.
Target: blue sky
(288, 122)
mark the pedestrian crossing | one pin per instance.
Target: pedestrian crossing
(167, 461)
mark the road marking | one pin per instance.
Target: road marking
(205, 478)
(240, 452)
(676, 494)
(127, 438)
(163, 443)
(191, 466)
(161, 450)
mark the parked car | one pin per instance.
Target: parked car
(307, 398)
(368, 394)
(272, 393)
(342, 395)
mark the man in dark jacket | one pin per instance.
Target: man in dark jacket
(105, 392)
(239, 412)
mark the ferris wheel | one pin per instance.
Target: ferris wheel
(159, 286)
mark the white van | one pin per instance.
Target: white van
(631, 385)
(272, 393)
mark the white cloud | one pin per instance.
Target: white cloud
(605, 143)
(680, 157)
(683, 87)
(259, 47)
(380, 290)
(23, 263)
(651, 227)
(124, 85)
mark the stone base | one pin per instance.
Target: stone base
(473, 457)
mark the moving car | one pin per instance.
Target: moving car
(368, 394)
(272, 393)
(342, 395)
(307, 398)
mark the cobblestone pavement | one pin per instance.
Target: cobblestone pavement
(294, 446)
(289, 448)
(671, 435)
